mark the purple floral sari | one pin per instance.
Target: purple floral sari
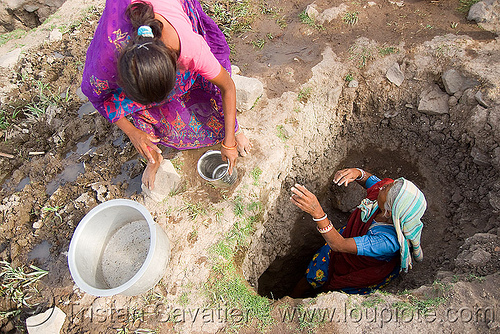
(192, 115)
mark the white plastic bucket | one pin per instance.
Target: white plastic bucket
(92, 237)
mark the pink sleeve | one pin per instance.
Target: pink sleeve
(195, 53)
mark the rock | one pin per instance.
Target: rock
(55, 35)
(371, 3)
(494, 200)
(248, 90)
(433, 101)
(331, 14)
(80, 95)
(452, 101)
(30, 8)
(453, 81)
(167, 181)
(353, 84)
(395, 75)
(311, 11)
(235, 69)
(480, 100)
(10, 58)
(478, 119)
(479, 257)
(288, 131)
(486, 13)
(480, 158)
(482, 11)
(494, 121)
(48, 322)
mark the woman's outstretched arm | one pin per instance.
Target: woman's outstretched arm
(228, 91)
(308, 202)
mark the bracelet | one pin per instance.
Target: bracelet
(229, 147)
(325, 229)
(320, 219)
(363, 174)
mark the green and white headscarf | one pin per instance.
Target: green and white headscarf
(407, 209)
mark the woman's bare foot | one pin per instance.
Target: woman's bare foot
(149, 174)
(243, 143)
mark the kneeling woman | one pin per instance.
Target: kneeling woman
(364, 255)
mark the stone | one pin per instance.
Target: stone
(353, 84)
(395, 75)
(248, 90)
(453, 81)
(478, 119)
(494, 200)
(479, 257)
(452, 101)
(235, 69)
(48, 322)
(288, 131)
(486, 14)
(331, 14)
(55, 35)
(312, 12)
(479, 157)
(433, 101)
(81, 96)
(482, 11)
(167, 181)
(30, 8)
(480, 100)
(10, 58)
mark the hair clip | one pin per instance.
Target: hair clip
(143, 45)
(145, 31)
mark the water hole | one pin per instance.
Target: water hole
(430, 150)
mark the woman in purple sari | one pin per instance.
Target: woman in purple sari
(166, 64)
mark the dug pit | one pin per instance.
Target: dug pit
(386, 134)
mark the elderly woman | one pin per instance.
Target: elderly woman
(363, 256)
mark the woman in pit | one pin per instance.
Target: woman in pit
(165, 64)
(379, 240)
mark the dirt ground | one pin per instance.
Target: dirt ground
(69, 159)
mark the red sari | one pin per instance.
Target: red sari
(355, 271)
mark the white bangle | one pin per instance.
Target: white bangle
(362, 174)
(325, 229)
(320, 219)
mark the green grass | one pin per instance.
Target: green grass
(16, 34)
(474, 277)
(464, 5)
(350, 18)
(349, 77)
(361, 55)
(372, 301)
(305, 19)
(304, 94)
(259, 43)
(18, 284)
(194, 210)
(385, 51)
(239, 207)
(256, 173)
(280, 132)
(233, 17)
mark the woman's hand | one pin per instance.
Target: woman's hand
(143, 142)
(229, 155)
(346, 176)
(306, 201)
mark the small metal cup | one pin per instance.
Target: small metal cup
(212, 168)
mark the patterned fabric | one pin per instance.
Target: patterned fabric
(408, 208)
(358, 271)
(368, 208)
(317, 271)
(192, 115)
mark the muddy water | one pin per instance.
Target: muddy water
(125, 253)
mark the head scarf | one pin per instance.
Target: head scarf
(407, 209)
